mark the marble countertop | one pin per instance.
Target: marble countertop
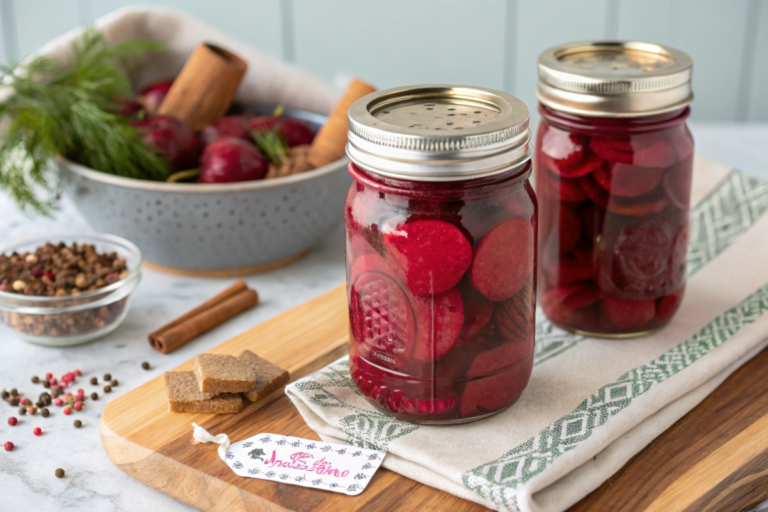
(92, 482)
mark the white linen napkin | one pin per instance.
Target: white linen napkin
(591, 404)
(268, 81)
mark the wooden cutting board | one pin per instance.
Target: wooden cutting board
(715, 458)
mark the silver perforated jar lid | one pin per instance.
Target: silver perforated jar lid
(438, 132)
(614, 78)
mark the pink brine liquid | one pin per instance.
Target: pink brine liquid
(441, 287)
(614, 196)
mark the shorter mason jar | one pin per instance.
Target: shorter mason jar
(440, 246)
(614, 161)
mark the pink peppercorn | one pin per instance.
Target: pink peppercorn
(80, 392)
(67, 411)
(48, 376)
(52, 382)
(68, 377)
(78, 373)
(8, 446)
(37, 431)
(59, 402)
(31, 410)
(67, 395)
(78, 406)
(12, 421)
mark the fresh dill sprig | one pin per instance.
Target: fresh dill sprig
(272, 144)
(70, 109)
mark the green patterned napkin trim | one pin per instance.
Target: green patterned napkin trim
(365, 428)
(496, 481)
(716, 222)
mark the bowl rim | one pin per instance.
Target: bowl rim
(200, 188)
(133, 274)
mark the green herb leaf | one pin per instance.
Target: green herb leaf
(271, 143)
(70, 110)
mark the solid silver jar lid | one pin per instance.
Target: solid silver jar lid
(614, 78)
(438, 132)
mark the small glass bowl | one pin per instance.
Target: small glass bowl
(72, 320)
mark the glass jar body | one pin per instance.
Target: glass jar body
(614, 195)
(441, 292)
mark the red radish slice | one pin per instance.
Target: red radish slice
(628, 314)
(628, 180)
(503, 259)
(439, 319)
(495, 392)
(382, 319)
(431, 255)
(677, 183)
(613, 150)
(514, 316)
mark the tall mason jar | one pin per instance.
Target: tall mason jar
(613, 160)
(440, 247)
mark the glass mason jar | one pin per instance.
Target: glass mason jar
(440, 247)
(614, 161)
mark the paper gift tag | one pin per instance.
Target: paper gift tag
(333, 467)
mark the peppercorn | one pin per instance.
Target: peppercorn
(39, 404)
(45, 413)
(8, 446)
(22, 410)
(94, 381)
(78, 405)
(114, 383)
(12, 421)
(67, 411)
(94, 396)
(59, 473)
(145, 365)
(27, 401)
(14, 392)
(14, 401)
(107, 377)
(78, 423)
(48, 376)
(37, 431)
(35, 379)
(107, 389)
(46, 384)
(77, 373)
(31, 410)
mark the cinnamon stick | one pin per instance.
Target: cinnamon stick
(331, 141)
(206, 86)
(233, 300)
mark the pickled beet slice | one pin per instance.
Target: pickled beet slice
(583, 252)
(500, 358)
(382, 319)
(430, 255)
(568, 229)
(628, 314)
(478, 311)
(560, 189)
(628, 180)
(653, 150)
(645, 259)
(594, 191)
(514, 316)
(562, 148)
(677, 183)
(572, 297)
(439, 319)
(570, 270)
(498, 391)
(613, 150)
(640, 206)
(503, 259)
(667, 305)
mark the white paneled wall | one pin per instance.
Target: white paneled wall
(493, 43)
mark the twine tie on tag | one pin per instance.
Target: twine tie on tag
(203, 436)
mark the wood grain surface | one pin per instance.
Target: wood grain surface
(715, 458)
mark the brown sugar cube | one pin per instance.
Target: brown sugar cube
(270, 376)
(218, 373)
(184, 396)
